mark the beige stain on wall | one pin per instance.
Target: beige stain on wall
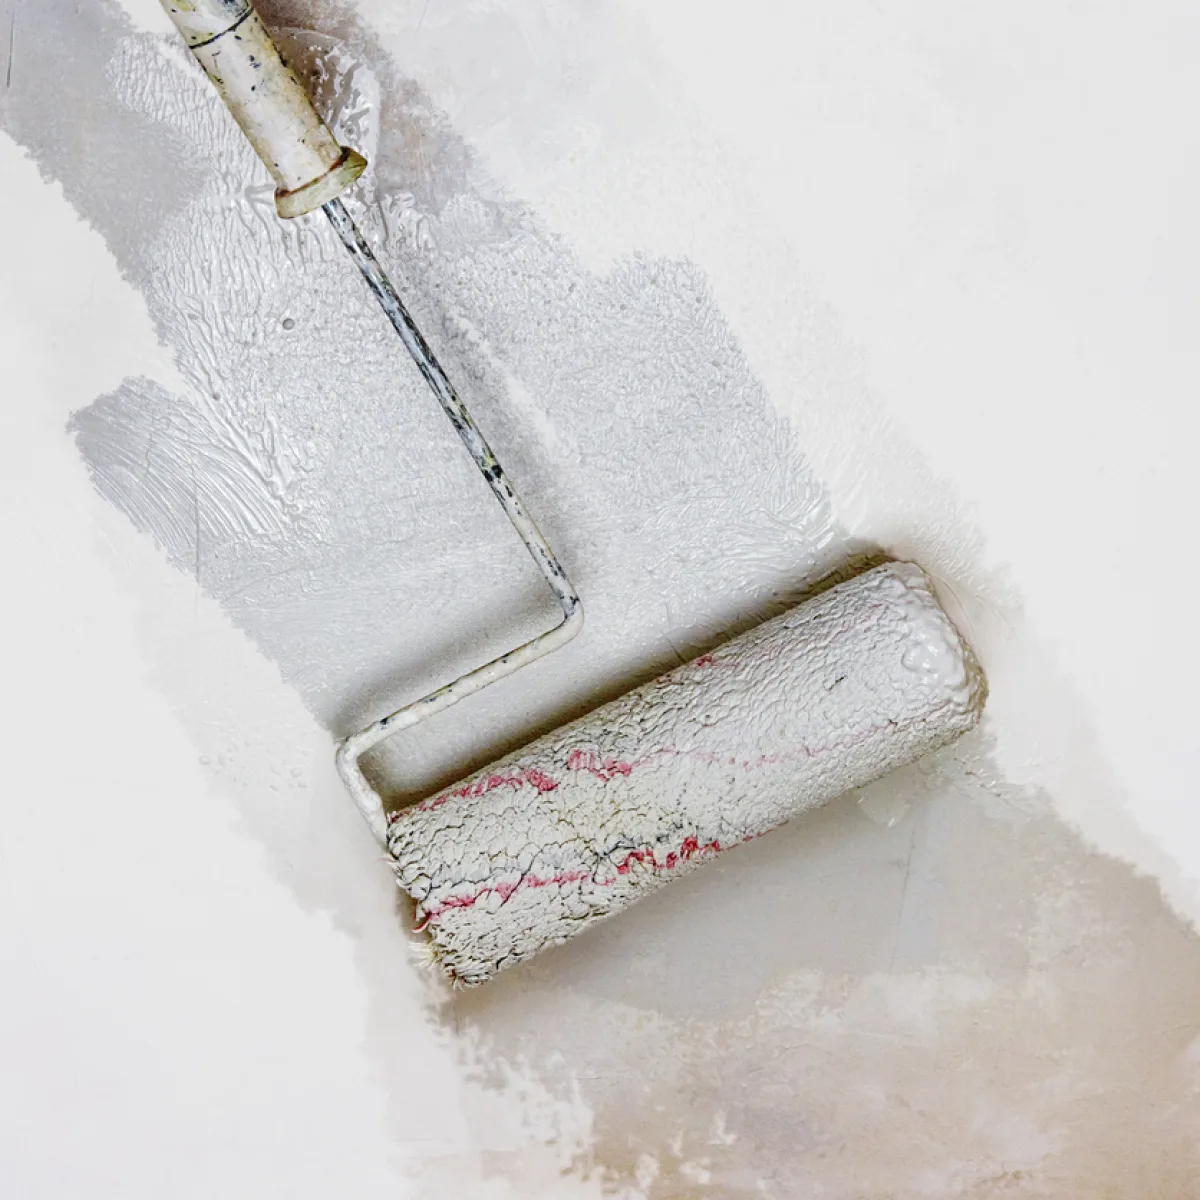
(966, 1004)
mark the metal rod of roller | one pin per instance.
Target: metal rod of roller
(312, 170)
(354, 747)
(464, 424)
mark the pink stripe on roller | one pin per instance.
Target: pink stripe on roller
(580, 823)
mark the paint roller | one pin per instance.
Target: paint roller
(869, 675)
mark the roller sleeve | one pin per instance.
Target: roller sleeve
(579, 824)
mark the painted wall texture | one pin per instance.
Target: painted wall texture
(741, 301)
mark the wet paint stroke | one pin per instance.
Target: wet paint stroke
(311, 485)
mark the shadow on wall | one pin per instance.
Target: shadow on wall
(952, 999)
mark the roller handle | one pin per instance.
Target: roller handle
(267, 101)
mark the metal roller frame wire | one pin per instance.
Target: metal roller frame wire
(352, 748)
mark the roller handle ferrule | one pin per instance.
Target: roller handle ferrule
(266, 99)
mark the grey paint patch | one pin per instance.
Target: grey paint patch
(340, 522)
(125, 173)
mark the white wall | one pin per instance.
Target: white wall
(953, 246)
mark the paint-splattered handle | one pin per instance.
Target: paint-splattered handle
(268, 102)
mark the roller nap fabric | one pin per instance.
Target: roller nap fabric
(582, 822)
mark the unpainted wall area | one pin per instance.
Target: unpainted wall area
(930, 989)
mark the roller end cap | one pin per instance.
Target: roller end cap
(324, 188)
